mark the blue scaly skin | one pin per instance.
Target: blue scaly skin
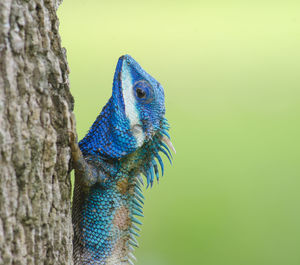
(123, 143)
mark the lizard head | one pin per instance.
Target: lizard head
(143, 104)
(142, 99)
(133, 117)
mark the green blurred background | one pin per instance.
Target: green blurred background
(231, 71)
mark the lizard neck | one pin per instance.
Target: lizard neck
(110, 135)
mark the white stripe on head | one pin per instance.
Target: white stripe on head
(130, 105)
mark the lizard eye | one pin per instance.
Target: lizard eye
(143, 91)
(140, 93)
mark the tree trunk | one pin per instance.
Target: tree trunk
(35, 110)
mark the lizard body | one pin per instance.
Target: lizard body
(123, 143)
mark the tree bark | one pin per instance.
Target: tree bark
(35, 111)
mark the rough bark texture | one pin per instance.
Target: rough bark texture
(35, 109)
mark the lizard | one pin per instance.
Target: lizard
(124, 143)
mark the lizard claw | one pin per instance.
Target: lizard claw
(75, 151)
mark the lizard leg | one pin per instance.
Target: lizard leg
(83, 171)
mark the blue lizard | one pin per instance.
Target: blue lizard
(123, 143)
